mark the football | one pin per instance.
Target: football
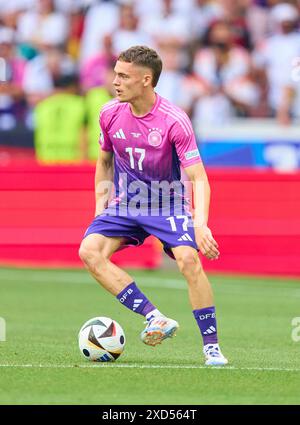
(101, 339)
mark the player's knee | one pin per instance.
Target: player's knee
(90, 257)
(189, 263)
(84, 253)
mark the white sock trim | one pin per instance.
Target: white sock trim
(153, 313)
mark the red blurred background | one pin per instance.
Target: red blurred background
(255, 217)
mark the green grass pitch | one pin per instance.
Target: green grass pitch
(40, 362)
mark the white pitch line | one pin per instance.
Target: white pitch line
(145, 366)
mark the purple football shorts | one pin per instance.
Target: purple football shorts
(172, 231)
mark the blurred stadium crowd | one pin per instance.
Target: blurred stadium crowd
(222, 58)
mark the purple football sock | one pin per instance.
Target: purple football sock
(135, 300)
(206, 320)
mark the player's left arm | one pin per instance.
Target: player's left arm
(201, 197)
(184, 139)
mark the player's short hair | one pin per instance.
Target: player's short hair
(143, 56)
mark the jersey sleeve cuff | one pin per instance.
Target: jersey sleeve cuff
(105, 148)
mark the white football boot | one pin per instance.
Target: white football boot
(158, 329)
(213, 355)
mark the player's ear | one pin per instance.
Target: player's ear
(147, 80)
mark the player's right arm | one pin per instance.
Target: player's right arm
(104, 166)
(103, 180)
(183, 136)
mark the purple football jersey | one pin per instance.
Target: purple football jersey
(148, 149)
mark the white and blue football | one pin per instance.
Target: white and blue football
(101, 339)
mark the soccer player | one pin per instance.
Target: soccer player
(144, 140)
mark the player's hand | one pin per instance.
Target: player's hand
(206, 243)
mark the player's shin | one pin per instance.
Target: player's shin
(136, 301)
(206, 321)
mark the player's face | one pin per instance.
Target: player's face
(130, 81)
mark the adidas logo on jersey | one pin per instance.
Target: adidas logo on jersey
(119, 134)
(136, 303)
(185, 237)
(210, 330)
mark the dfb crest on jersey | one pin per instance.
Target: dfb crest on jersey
(154, 137)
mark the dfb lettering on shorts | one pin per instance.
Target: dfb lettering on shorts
(2, 329)
(123, 298)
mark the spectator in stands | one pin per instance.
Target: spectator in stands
(93, 72)
(151, 8)
(94, 68)
(44, 24)
(41, 74)
(11, 92)
(224, 70)
(69, 6)
(192, 89)
(257, 19)
(216, 77)
(101, 19)
(60, 119)
(204, 14)
(148, 8)
(234, 13)
(274, 57)
(289, 107)
(129, 32)
(10, 12)
(76, 26)
(170, 25)
(169, 84)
